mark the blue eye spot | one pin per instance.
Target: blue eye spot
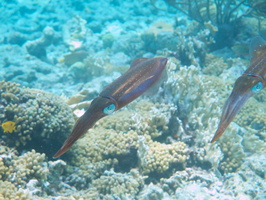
(257, 88)
(109, 109)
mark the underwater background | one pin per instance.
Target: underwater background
(57, 56)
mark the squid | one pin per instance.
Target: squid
(143, 74)
(251, 82)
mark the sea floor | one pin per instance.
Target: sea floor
(57, 56)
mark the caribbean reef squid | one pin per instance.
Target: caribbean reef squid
(251, 82)
(143, 74)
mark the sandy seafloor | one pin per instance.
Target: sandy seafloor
(57, 56)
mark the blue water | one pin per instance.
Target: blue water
(57, 56)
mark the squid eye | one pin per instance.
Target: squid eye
(257, 88)
(109, 109)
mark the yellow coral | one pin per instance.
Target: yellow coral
(9, 127)
(158, 157)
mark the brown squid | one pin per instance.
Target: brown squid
(252, 81)
(142, 75)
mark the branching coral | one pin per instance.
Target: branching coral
(114, 141)
(27, 175)
(197, 47)
(194, 91)
(21, 169)
(157, 157)
(233, 151)
(252, 172)
(30, 165)
(238, 185)
(121, 185)
(190, 49)
(188, 178)
(102, 149)
(4, 170)
(256, 117)
(8, 191)
(189, 89)
(147, 119)
(214, 65)
(201, 121)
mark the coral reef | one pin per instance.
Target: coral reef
(152, 192)
(9, 191)
(254, 119)
(20, 169)
(188, 47)
(250, 173)
(27, 175)
(157, 147)
(114, 142)
(233, 151)
(141, 135)
(30, 165)
(124, 186)
(147, 119)
(214, 65)
(157, 157)
(230, 152)
(4, 170)
(101, 149)
(38, 115)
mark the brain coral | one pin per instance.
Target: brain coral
(38, 115)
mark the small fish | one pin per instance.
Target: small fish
(251, 82)
(9, 127)
(71, 58)
(141, 76)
